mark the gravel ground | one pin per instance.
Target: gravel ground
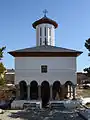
(40, 115)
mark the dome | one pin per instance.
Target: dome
(45, 20)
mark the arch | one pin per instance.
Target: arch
(68, 89)
(33, 90)
(68, 83)
(45, 92)
(23, 90)
(56, 90)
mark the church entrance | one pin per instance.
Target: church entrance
(23, 90)
(45, 93)
(33, 90)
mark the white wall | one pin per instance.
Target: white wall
(59, 68)
(42, 26)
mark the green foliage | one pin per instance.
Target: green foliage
(2, 68)
(88, 71)
(2, 74)
(2, 81)
(1, 52)
(87, 45)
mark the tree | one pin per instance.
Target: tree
(87, 70)
(87, 45)
(1, 52)
(2, 68)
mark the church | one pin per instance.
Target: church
(45, 72)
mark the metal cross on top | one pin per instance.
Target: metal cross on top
(45, 12)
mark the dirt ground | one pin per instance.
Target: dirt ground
(82, 92)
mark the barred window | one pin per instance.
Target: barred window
(44, 69)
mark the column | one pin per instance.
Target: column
(70, 90)
(17, 91)
(73, 91)
(39, 92)
(28, 92)
(68, 93)
(51, 92)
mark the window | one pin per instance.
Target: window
(44, 69)
(45, 31)
(45, 41)
(40, 41)
(40, 31)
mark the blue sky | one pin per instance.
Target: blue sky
(72, 16)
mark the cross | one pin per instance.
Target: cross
(45, 12)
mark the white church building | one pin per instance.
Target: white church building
(45, 72)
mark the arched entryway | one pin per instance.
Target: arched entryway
(33, 90)
(45, 93)
(23, 90)
(68, 88)
(56, 90)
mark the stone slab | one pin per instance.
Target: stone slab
(85, 114)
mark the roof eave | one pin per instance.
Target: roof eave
(44, 54)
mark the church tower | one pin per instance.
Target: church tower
(45, 31)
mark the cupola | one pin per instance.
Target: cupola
(45, 30)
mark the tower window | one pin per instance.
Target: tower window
(40, 41)
(45, 31)
(40, 31)
(44, 69)
(45, 41)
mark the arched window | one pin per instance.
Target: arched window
(33, 90)
(56, 90)
(45, 92)
(45, 31)
(68, 89)
(40, 31)
(45, 41)
(23, 90)
(40, 41)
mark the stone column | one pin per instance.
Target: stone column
(39, 92)
(73, 91)
(68, 93)
(65, 91)
(70, 90)
(62, 92)
(28, 92)
(51, 92)
(17, 91)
